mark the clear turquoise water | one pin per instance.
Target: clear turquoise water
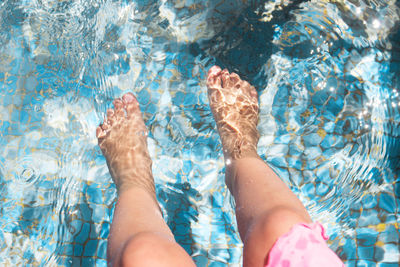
(327, 73)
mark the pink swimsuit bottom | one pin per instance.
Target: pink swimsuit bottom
(304, 245)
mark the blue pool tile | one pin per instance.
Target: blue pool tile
(369, 201)
(322, 189)
(387, 202)
(309, 189)
(24, 117)
(349, 249)
(391, 251)
(389, 235)
(68, 249)
(217, 264)
(7, 100)
(45, 184)
(85, 211)
(217, 198)
(4, 126)
(76, 261)
(278, 161)
(368, 217)
(351, 263)
(90, 248)
(387, 264)
(282, 139)
(365, 253)
(94, 195)
(83, 234)
(28, 254)
(94, 231)
(99, 213)
(295, 150)
(15, 115)
(88, 261)
(75, 226)
(151, 108)
(328, 141)
(143, 97)
(323, 173)
(378, 254)
(366, 236)
(294, 162)
(105, 230)
(365, 263)
(190, 99)
(102, 249)
(187, 246)
(200, 260)
(101, 263)
(78, 250)
(311, 139)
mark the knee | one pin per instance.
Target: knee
(265, 230)
(140, 250)
(275, 223)
(150, 249)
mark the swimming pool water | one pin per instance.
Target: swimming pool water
(327, 73)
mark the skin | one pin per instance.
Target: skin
(265, 207)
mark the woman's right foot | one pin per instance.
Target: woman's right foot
(234, 105)
(123, 140)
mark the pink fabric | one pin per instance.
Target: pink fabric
(304, 245)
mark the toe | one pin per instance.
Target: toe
(226, 81)
(214, 96)
(105, 126)
(253, 92)
(110, 116)
(214, 82)
(100, 132)
(118, 107)
(214, 78)
(246, 87)
(234, 78)
(213, 71)
(128, 98)
(131, 104)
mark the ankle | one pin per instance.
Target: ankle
(140, 192)
(232, 165)
(240, 148)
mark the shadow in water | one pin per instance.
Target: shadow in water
(394, 135)
(180, 211)
(246, 46)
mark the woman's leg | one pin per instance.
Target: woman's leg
(265, 207)
(139, 236)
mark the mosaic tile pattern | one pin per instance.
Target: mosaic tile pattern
(327, 76)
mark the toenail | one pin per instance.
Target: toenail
(214, 70)
(118, 103)
(128, 98)
(110, 112)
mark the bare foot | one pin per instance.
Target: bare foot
(234, 105)
(123, 140)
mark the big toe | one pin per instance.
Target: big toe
(213, 71)
(214, 80)
(131, 104)
(100, 133)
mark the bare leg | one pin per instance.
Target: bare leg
(265, 207)
(139, 236)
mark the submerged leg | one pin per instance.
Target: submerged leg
(139, 235)
(265, 207)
